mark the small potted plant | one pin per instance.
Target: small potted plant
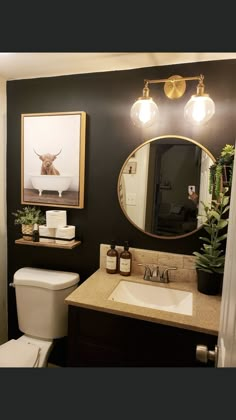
(222, 170)
(27, 217)
(210, 261)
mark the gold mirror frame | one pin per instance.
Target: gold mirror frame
(130, 167)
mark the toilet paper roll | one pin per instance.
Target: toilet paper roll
(67, 232)
(46, 231)
(56, 218)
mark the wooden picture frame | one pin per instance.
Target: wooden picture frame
(53, 159)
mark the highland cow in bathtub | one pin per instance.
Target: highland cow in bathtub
(47, 167)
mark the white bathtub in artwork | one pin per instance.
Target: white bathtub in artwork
(58, 183)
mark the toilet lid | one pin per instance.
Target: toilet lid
(15, 353)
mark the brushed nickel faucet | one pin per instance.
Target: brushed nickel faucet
(151, 273)
(164, 278)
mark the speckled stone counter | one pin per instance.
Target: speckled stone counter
(95, 291)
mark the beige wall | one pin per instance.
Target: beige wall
(3, 217)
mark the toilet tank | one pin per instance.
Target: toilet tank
(40, 294)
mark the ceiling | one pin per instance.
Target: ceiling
(32, 65)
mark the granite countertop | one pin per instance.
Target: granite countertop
(94, 292)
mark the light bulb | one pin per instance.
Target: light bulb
(144, 112)
(199, 109)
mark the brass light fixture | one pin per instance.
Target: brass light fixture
(198, 110)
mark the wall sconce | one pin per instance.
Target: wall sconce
(198, 110)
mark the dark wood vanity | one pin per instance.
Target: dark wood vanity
(99, 339)
(103, 332)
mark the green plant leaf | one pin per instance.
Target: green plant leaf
(197, 254)
(219, 270)
(206, 270)
(221, 259)
(225, 200)
(29, 215)
(217, 245)
(208, 230)
(222, 224)
(204, 259)
(214, 214)
(205, 239)
(211, 257)
(207, 247)
(204, 267)
(201, 264)
(221, 238)
(225, 209)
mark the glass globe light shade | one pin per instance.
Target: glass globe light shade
(199, 109)
(144, 112)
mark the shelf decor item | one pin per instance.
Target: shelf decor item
(210, 261)
(222, 170)
(27, 217)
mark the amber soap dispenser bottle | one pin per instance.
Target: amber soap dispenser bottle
(125, 260)
(112, 259)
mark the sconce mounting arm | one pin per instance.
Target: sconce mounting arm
(174, 87)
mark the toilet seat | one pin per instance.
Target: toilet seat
(17, 353)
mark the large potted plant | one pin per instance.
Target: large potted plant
(210, 261)
(222, 170)
(27, 217)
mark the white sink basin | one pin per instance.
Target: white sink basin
(153, 296)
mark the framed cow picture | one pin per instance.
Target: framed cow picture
(53, 159)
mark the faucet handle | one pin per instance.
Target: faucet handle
(147, 271)
(155, 270)
(165, 274)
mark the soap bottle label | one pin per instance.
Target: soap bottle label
(125, 265)
(111, 263)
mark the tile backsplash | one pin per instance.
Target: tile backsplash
(185, 264)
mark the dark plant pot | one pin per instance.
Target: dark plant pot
(209, 283)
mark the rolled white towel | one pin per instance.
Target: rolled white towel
(46, 231)
(67, 232)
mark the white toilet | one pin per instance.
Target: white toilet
(42, 315)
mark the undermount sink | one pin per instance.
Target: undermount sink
(153, 296)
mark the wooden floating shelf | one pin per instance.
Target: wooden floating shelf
(48, 244)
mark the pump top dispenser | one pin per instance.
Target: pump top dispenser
(125, 260)
(112, 259)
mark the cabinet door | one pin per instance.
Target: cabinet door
(101, 339)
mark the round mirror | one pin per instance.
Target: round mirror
(162, 184)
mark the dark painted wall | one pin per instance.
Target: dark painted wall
(110, 138)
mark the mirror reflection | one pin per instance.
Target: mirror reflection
(162, 183)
